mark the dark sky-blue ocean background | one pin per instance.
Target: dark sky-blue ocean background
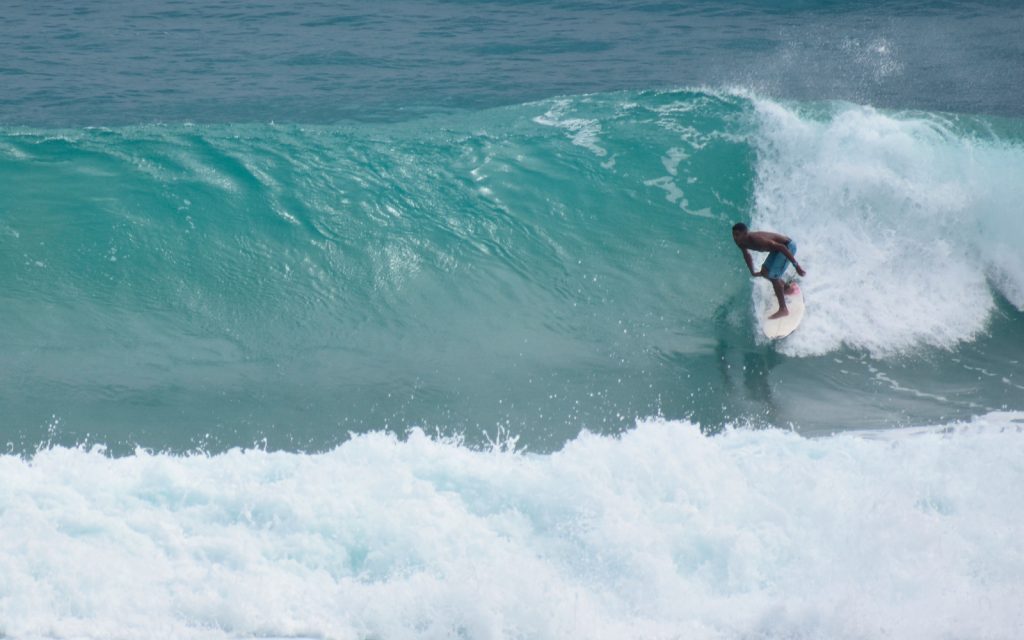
(120, 62)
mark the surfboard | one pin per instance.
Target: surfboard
(782, 327)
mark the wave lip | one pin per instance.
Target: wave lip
(657, 533)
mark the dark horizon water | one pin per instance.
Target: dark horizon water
(120, 62)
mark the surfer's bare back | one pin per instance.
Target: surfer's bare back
(781, 251)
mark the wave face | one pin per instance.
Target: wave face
(660, 533)
(540, 269)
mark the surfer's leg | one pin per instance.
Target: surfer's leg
(779, 293)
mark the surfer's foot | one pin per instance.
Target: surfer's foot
(788, 288)
(779, 314)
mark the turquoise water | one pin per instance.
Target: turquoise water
(423, 320)
(538, 269)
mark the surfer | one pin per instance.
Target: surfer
(780, 250)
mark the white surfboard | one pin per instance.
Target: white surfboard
(782, 327)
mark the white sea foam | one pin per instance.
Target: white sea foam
(661, 533)
(584, 132)
(901, 221)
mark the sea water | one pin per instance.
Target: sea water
(424, 320)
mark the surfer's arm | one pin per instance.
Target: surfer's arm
(750, 262)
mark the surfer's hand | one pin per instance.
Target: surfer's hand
(801, 271)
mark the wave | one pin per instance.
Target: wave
(927, 197)
(658, 533)
(564, 263)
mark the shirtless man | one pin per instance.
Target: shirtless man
(781, 249)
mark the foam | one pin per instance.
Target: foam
(902, 222)
(584, 132)
(661, 533)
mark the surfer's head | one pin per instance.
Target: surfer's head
(739, 230)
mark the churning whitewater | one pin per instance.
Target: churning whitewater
(660, 533)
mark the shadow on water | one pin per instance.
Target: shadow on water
(744, 367)
(731, 383)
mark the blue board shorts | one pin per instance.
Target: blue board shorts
(776, 263)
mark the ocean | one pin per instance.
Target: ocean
(424, 320)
